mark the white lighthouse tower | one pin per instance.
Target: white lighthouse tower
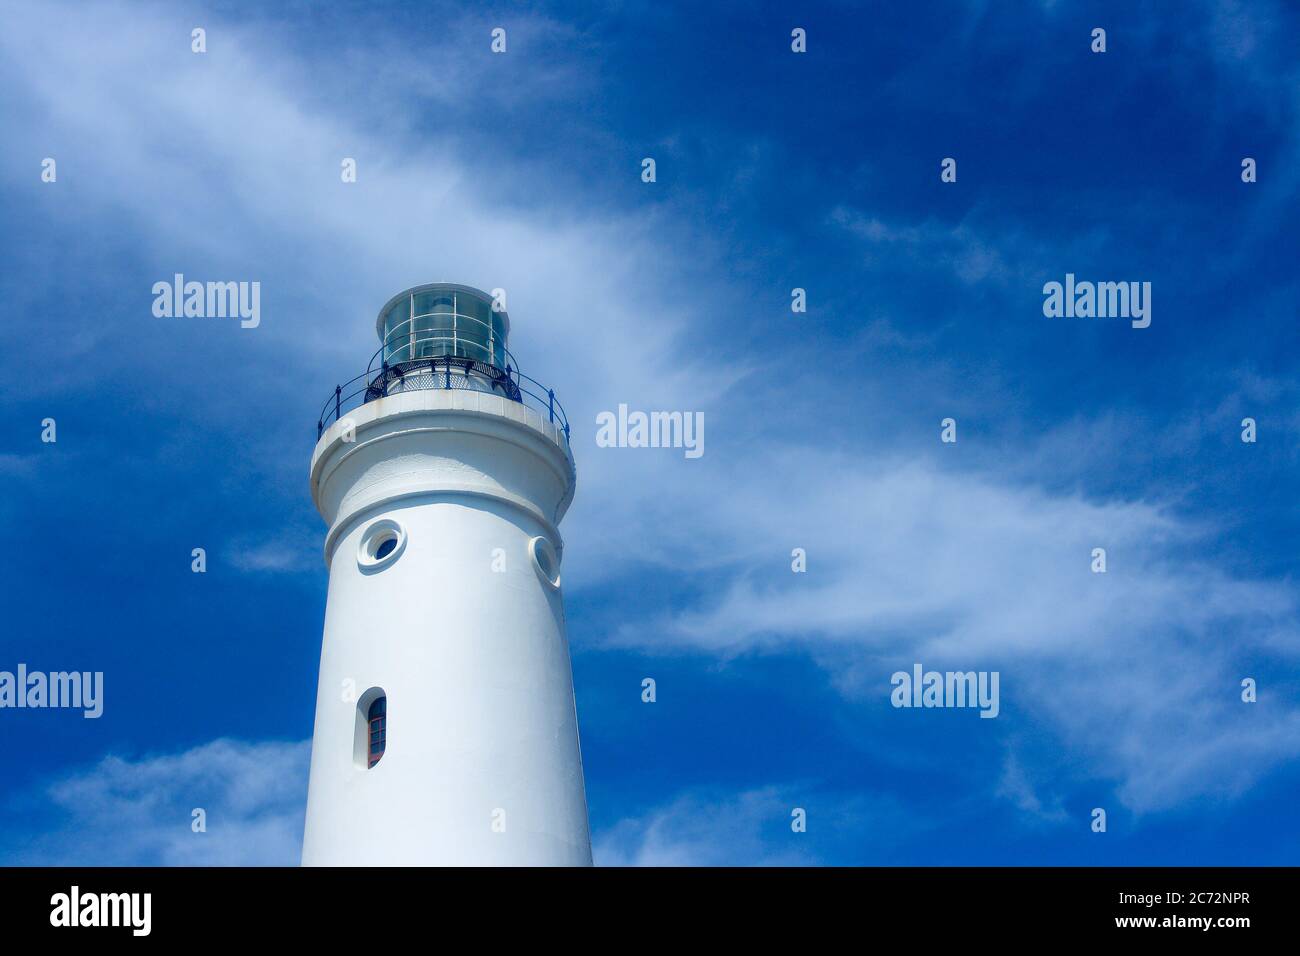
(446, 731)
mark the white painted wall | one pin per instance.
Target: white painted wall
(475, 663)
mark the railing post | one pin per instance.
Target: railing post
(447, 370)
(551, 393)
(338, 391)
(384, 390)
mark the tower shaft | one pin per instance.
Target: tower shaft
(444, 600)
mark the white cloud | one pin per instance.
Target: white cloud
(753, 827)
(287, 553)
(17, 466)
(139, 812)
(1136, 671)
(695, 830)
(1016, 786)
(229, 163)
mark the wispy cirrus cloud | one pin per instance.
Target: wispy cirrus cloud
(909, 561)
(141, 811)
(757, 827)
(282, 554)
(745, 829)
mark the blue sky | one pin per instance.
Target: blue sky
(775, 170)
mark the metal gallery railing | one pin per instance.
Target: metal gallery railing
(383, 378)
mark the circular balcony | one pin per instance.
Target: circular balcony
(447, 369)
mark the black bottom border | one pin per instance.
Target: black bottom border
(1213, 904)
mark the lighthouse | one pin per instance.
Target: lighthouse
(446, 731)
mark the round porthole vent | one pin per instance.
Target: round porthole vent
(546, 561)
(381, 545)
